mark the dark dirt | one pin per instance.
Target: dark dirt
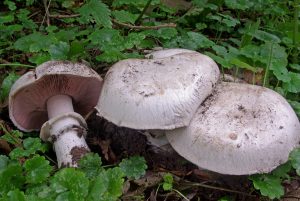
(115, 143)
(77, 153)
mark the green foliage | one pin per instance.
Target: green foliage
(245, 36)
(168, 182)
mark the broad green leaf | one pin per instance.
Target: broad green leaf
(266, 37)
(268, 185)
(90, 164)
(275, 56)
(111, 56)
(252, 52)
(293, 85)
(34, 42)
(3, 162)
(295, 159)
(283, 170)
(37, 169)
(40, 58)
(70, 184)
(107, 186)
(296, 107)
(107, 39)
(6, 18)
(6, 85)
(133, 39)
(11, 177)
(15, 195)
(11, 5)
(59, 51)
(295, 66)
(124, 16)
(97, 11)
(13, 137)
(134, 167)
(30, 147)
(239, 4)
(240, 64)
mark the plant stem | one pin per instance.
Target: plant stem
(137, 21)
(295, 31)
(179, 193)
(17, 64)
(266, 77)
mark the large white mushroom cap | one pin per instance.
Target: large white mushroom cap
(240, 129)
(158, 93)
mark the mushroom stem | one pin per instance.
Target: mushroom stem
(66, 131)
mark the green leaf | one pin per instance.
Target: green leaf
(269, 185)
(34, 42)
(3, 162)
(238, 4)
(168, 182)
(240, 64)
(70, 184)
(30, 147)
(110, 56)
(107, 186)
(296, 107)
(124, 16)
(283, 170)
(295, 66)
(11, 177)
(275, 56)
(293, 85)
(11, 5)
(107, 39)
(15, 195)
(90, 164)
(13, 137)
(97, 11)
(266, 37)
(59, 51)
(295, 159)
(8, 81)
(133, 39)
(37, 169)
(134, 167)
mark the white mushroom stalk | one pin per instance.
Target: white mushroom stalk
(67, 130)
(53, 99)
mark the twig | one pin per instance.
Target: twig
(137, 21)
(64, 16)
(16, 65)
(143, 27)
(220, 188)
(121, 23)
(47, 12)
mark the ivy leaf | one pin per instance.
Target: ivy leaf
(295, 159)
(134, 167)
(268, 185)
(96, 10)
(6, 85)
(293, 84)
(124, 16)
(90, 164)
(38, 169)
(107, 186)
(70, 184)
(59, 51)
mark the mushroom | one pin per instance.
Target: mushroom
(159, 93)
(53, 91)
(241, 129)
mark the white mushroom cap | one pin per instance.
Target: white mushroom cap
(29, 94)
(167, 53)
(240, 129)
(160, 93)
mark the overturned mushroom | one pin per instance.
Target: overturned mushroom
(240, 129)
(53, 91)
(158, 93)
